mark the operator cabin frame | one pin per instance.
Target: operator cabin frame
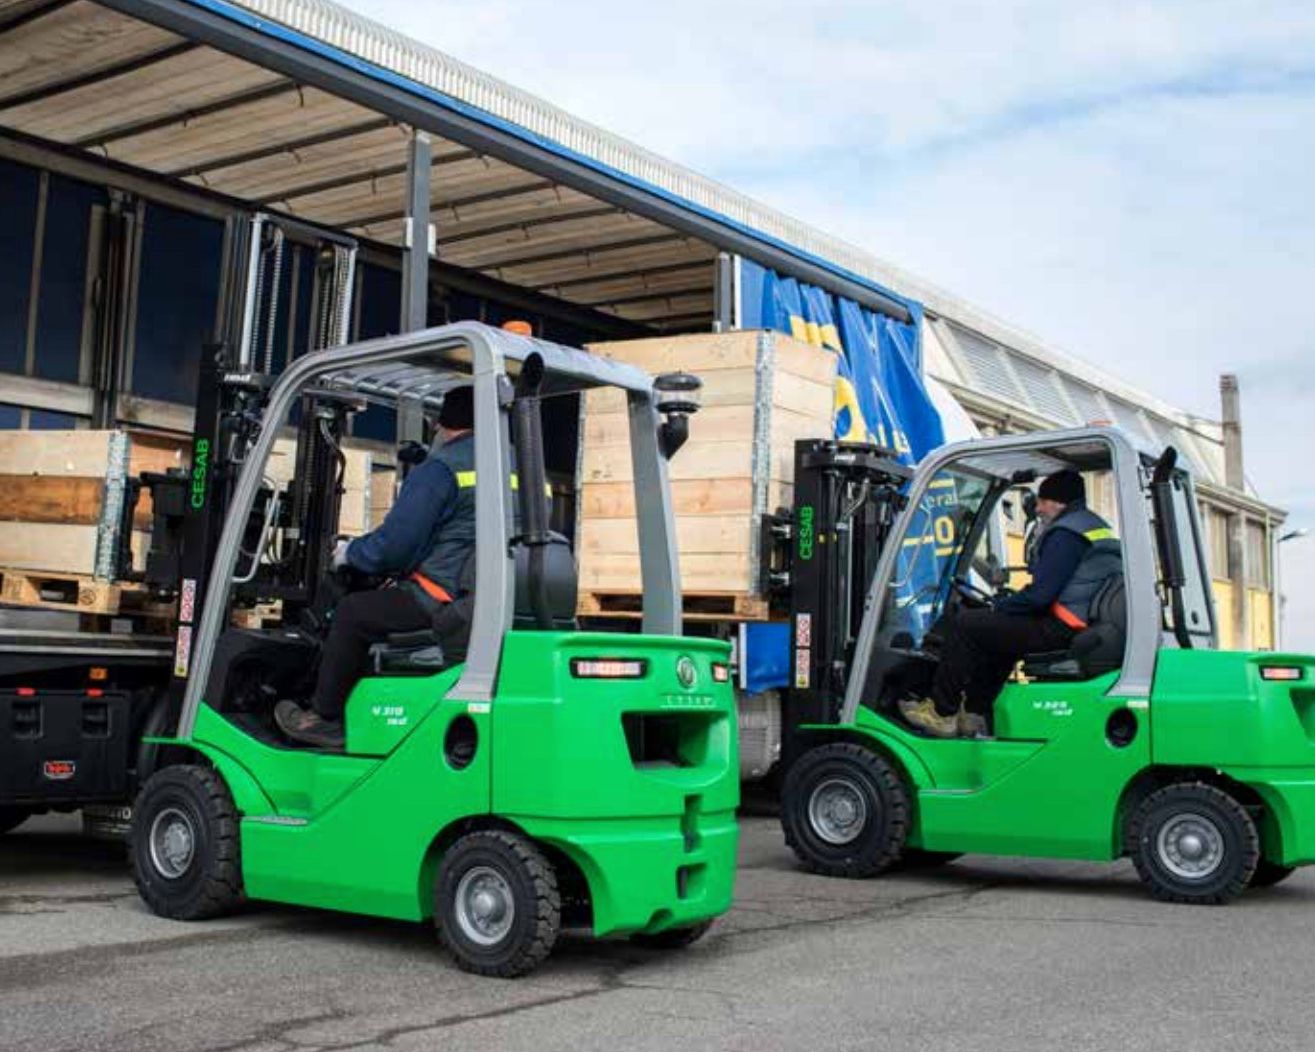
(422, 365)
(1145, 633)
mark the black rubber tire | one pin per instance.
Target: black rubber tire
(880, 839)
(917, 858)
(12, 817)
(1269, 873)
(1240, 843)
(673, 938)
(211, 883)
(537, 917)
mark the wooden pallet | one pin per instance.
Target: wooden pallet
(74, 593)
(705, 606)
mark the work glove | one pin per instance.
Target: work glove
(340, 553)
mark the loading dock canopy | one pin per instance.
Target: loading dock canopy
(112, 87)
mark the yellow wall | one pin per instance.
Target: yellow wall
(1224, 614)
(1262, 619)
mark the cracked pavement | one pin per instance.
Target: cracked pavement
(983, 954)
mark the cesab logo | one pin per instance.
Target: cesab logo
(58, 770)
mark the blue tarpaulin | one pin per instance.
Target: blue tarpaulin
(880, 394)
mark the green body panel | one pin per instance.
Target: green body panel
(362, 832)
(562, 770)
(1212, 709)
(1051, 783)
(1048, 785)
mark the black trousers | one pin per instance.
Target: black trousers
(981, 648)
(359, 620)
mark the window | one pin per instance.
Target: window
(62, 293)
(177, 299)
(18, 217)
(1257, 555)
(1216, 539)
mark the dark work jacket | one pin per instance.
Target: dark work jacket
(430, 531)
(1078, 553)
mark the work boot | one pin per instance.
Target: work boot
(921, 714)
(308, 726)
(972, 725)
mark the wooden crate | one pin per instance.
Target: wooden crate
(761, 392)
(61, 493)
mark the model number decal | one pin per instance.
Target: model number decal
(392, 715)
(1055, 708)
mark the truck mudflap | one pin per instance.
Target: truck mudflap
(649, 874)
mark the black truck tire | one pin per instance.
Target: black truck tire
(845, 811)
(497, 905)
(12, 817)
(184, 843)
(1193, 843)
(673, 938)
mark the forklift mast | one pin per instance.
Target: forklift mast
(236, 374)
(823, 554)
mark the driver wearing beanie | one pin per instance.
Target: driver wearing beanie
(421, 549)
(1076, 553)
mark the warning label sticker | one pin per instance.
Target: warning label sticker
(803, 630)
(183, 651)
(801, 672)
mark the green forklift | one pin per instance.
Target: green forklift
(534, 777)
(1143, 739)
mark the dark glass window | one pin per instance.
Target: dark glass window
(18, 192)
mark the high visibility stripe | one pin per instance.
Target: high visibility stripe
(1100, 534)
(432, 588)
(466, 479)
(1067, 616)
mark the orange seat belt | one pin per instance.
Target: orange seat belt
(1067, 616)
(435, 591)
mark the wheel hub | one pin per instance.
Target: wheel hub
(1190, 846)
(172, 843)
(485, 906)
(837, 811)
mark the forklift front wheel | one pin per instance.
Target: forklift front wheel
(844, 810)
(1193, 843)
(496, 904)
(184, 844)
(12, 817)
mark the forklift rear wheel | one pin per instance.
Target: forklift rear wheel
(1269, 873)
(12, 817)
(496, 904)
(1193, 843)
(184, 844)
(845, 811)
(673, 938)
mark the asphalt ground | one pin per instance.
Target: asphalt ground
(979, 955)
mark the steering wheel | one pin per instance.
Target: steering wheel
(969, 591)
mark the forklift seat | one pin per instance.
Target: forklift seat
(423, 652)
(1095, 650)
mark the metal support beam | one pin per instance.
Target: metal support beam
(169, 120)
(532, 224)
(723, 294)
(415, 242)
(621, 275)
(505, 194)
(29, 13)
(415, 269)
(99, 76)
(291, 146)
(681, 293)
(356, 178)
(588, 252)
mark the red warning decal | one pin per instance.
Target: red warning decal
(59, 770)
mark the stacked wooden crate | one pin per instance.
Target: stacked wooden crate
(61, 497)
(61, 494)
(761, 392)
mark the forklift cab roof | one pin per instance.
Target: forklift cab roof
(423, 365)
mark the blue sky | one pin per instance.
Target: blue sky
(1130, 181)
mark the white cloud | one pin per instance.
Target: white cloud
(1130, 180)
